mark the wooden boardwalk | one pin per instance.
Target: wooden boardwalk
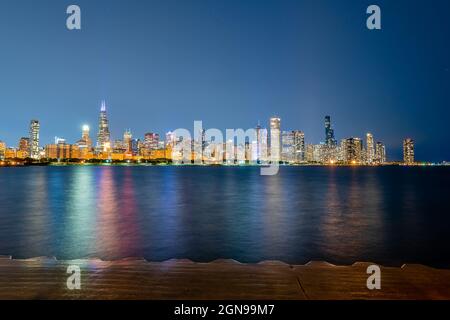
(45, 278)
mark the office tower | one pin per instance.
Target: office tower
(370, 155)
(24, 147)
(261, 144)
(151, 141)
(2, 150)
(380, 153)
(170, 139)
(287, 146)
(59, 150)
(34, 140)
(135, 146)
(85, 141)
(408, 151)
(309, 153)
(352, 150)
(127, 141)
(257, 152)
(329, 133)
(85, 136)
(103, 137)
(275, 140)
(299, 146)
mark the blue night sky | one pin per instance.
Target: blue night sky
(162, 64)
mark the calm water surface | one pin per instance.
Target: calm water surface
(389, 215)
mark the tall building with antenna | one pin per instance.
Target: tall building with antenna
(104, 136)
(330, 141)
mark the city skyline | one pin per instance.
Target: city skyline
(268, 145)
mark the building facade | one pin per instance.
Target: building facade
(408, 151)
(34, 140)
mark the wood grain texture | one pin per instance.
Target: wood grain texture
(45, 278)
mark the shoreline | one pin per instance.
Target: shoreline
(45, 278)
(6, 164)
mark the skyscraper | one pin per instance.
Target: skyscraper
(352, 150)
(85, 141)
(261, 144)
(299, 146)
(287, 146)
(275, 139)
(370, 149)
(127, 141)
(329, 133)
(380, 153)
(408, 151)
(103, 137)
(34, 140)
(151, 141)
(293, 146)
(24, 146)
(2, 150)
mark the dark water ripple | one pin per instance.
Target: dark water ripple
(389, 215)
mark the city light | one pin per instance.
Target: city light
(269, 145)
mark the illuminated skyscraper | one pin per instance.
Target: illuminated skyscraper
(151, 141)
(352, 150)
(299, 146)
(380, 153)
(24, 147)
(2, 150)
(85, 141)
(127, 141)
(293, 146)
(103, 137)
(261, 144)
(329, 133)
(408, 151)
(370, 149)
(34, 140)
(275, 139)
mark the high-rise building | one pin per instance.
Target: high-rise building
(408, 151)
(261, 144)
(2, 150)
(34, 140)
(85, 141)
(309, 153)
(127, 141)
(380, 153)
(287, 146)
(293, 146)
(330, 141)
(275, 139)
(170, 139)
(370, 149)
(59, 150)
(103, 137)
(24, 147)
(299, 146)
(151, 141)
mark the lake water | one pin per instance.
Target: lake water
(388, 215)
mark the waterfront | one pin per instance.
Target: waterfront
(389, 215)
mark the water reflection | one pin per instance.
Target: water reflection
(387, 215)
(35, 221)
(80, 208)
(107, 225)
